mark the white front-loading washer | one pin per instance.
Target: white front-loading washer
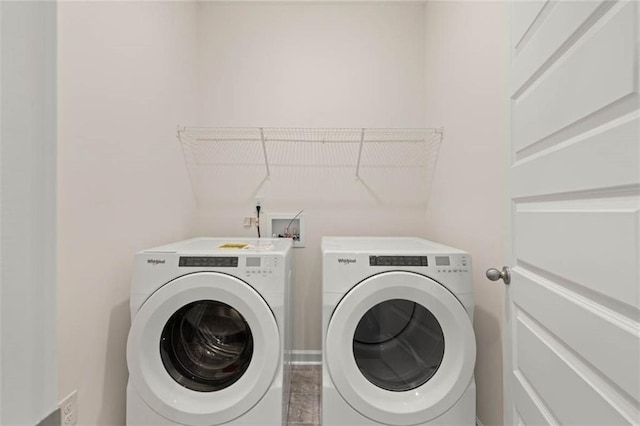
(209, 342)
(398, 342)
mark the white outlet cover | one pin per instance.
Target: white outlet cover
(69, 409)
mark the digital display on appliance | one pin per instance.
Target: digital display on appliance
(209, 261)
(398, 261)
(442, 261)
(253, 261)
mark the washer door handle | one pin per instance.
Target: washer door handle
(494, 275)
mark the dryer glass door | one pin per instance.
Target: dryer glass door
(400, 348)
(398, 345)
(206, 346)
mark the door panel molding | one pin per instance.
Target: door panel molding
(573, 255)
(572, 390)
(611, 149)
(631, 190)
(600, 68)
(552, 304)
(532, 409)
(622, 314)
(560, 27)
(525, 16)
(627, 104)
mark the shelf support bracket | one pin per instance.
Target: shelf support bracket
(264, 151)
(360, 153)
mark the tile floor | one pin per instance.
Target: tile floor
(304, 405)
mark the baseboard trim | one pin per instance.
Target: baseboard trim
(478, 422)
(302, 357)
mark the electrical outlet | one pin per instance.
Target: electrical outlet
(250, 221)
(69, 409)
(259, 200)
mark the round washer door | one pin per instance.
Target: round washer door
(400, 348)
(203, 349)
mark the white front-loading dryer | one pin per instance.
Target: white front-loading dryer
(209, 344)
(398, 341)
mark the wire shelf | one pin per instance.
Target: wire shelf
(404, 157)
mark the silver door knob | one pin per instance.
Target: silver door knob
(494, 275)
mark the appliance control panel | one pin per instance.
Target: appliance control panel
(264, 266)
(452, 264)
(398, 261)
(208, 261)
(251, 267)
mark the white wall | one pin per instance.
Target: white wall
(28, 373)
(126, 79)
(466, 93)
(312, 65)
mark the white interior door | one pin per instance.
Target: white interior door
(572, 348)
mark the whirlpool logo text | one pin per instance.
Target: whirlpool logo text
(346, 261)
(155, 262)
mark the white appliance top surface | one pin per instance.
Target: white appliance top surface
(214, 246)
(384, 245)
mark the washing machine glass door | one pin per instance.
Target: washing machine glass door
(206, 346)
(203, 349)
(400, 348)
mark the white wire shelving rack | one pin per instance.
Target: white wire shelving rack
(362, 153)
